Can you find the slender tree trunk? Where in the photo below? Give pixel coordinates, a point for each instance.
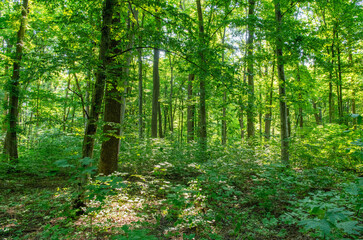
(98, 93)
(354, 109)
(240, 119)
(171, 95)
(250, 72)
(4, 125)
(160, 121)
(288, 122)
(156, 92)
(6, 94)
(66, 107)
(87, 98)
(202, 85)
(340, 82)
(260, 113)
(14, 91)
(126, 68)
(182, 119)
(300, 116)
(224, 120)
(141, 93)
(190, 110)
(268, 116)
(141, 90)
(282, 86)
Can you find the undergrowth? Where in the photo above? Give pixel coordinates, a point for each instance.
(163, 191)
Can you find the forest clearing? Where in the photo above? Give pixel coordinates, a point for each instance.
(181, 119)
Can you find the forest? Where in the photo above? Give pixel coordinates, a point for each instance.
(181, 119)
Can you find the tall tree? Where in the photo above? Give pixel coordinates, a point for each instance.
(268, 115)
(202, 83)
(250, 72)
(141, 90)
(190, 109)
(224, 120)
(156, 88)
(99, 87)
(282, 84)
(14, 89)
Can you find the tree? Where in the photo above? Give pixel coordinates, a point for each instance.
(202, 83)
(250, 71)
(99, 87)
(282, 84)
(156, 90)
(191, 109)
(11, 142)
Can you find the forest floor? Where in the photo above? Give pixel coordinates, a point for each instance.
(233, 195)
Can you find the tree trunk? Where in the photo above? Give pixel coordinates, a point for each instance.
(126, 68)
(66, 108)
(87, 98)
(300, 116)
(160, 121)
(282, 86)
(156, 92)
(224, 120)
(98, 93)
(354, 110)
(268, 116)
(316, 114)
(14, 91)
(6, 94)
(250, 72)
(111, 130)
(171, 95)
(190, 110)
(141, 90)
(340, 83)
(240, 119)
(202, 85)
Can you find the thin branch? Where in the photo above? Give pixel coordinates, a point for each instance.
(225, 17)
(79, 95)
(293, 4)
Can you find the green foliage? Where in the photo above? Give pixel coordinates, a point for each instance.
(134, 234)
(331, 215)
(333, 145)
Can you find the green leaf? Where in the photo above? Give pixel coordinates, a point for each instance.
(63, 164)
(86, 161)
(319, 212)
(350, 227)
(321, 225)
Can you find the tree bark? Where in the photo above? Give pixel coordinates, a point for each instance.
(340, 82)
(202, 85)
(316, 114)
(224, 120)
(126, 68)
(282, 86)
(141, 90)
(171, 95)
(190, 110)
(268, 116)
(160, 121)
(300, 101)
(250, 72)
(111, 130)
(156, 92)
(14, 91)
(98, 93)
